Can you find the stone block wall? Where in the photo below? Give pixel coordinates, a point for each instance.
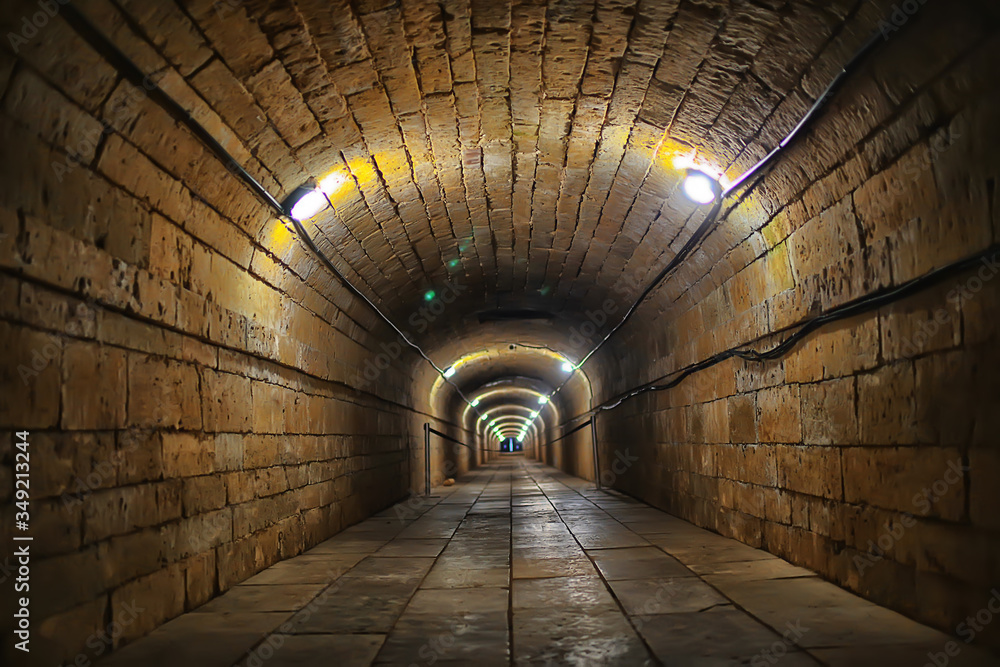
(870, 453)
(186, 370)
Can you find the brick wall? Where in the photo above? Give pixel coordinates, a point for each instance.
(184, 367)
(879, 430)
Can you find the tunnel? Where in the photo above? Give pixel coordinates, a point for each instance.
(499, 332)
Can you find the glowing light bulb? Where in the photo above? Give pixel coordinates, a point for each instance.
(700, 187)
(308, 205)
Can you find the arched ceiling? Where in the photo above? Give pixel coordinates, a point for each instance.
(500, 171)
(512, 154)
(500, 373)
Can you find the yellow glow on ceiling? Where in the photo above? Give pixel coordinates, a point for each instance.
(680, 157)
(363, 170)
(280, 238)
(333, 182)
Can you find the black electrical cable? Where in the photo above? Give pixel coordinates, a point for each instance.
(866, 304)
(127, 68)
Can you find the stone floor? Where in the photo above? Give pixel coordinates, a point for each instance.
(520, 563)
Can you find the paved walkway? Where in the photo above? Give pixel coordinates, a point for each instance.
(521, 563)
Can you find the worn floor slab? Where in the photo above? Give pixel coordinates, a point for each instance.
(521, 564)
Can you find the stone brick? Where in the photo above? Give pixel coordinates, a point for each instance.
(777, 506)
(239, 487)
(931, 483)
(47, 113)
(957, 551)
(271, 481)
(227, 401)
(810, 469)
(929, 323)
(886, 405)
(29, 378)
(162, 393)
(229, 451)
(146, 603)
(743, 418)
(241, 559)
(75, 464)
(139, 455)
(200, 533)
(779, 418)
(269, 404)
(201, 494)
(828, 413)
(261, 451)
(78, 631)
(831, 235)
(66, 581)
(944, 383)
(756, 464)
(277, 94)
(186, 455)
(93, 387)
(836, 351)
(58, 526)
(118, 511)
(199, 579)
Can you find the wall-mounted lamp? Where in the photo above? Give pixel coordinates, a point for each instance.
(700, 187)
(304, 202)
(309, 199)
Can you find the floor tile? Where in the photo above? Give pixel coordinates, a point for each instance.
(520, 563)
